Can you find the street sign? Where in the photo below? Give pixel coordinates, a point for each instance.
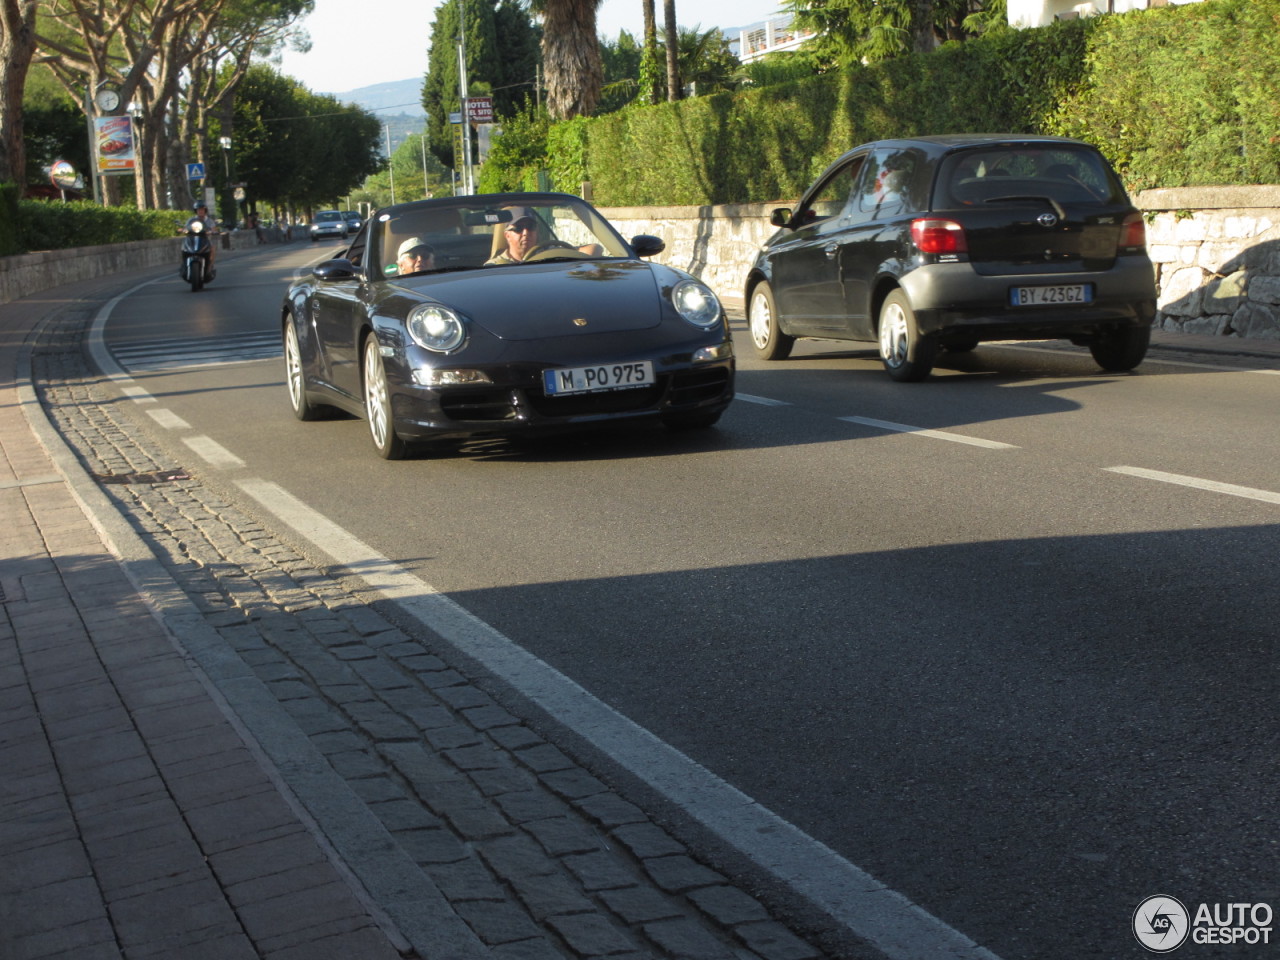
(480, 109)
(195, 171)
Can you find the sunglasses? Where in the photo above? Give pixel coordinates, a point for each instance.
(518, 228)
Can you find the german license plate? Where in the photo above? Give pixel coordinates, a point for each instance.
(605, 376)
(1051, 296)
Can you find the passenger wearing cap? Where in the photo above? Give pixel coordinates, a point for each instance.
(414, 256)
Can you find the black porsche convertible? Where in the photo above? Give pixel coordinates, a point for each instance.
(502, 313)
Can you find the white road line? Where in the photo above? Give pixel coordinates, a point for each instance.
(935, 434)
(1251, 493)
(763, 401)
(213, 453)
(168, 419)
(851, 897)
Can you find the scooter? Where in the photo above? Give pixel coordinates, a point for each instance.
(196, 250)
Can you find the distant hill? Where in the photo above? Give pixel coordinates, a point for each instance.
(398, 96)
(397, 104)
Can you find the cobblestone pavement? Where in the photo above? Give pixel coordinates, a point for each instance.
(473, 833)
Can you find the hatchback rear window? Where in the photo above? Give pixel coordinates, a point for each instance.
(1069, 175)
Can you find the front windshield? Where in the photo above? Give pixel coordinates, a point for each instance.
(474, 232)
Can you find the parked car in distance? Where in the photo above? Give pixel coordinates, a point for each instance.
(354, 220)
(502, 314)
(328, 223)
(940, 243)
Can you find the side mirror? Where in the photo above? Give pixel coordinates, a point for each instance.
(340, 269)
(781, 217)
(646, 245)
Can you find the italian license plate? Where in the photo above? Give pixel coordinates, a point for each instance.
(605, 376)
(1050, 296)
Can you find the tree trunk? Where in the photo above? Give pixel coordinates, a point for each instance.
(17, 47)
(649, 60)
(674, 89)
(923, 38)
(571, 56)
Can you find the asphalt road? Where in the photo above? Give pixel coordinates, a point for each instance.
(1006, 639)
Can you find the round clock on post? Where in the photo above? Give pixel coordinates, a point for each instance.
(107, 99)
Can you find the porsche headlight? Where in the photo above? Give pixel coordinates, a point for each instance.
(696, 303)
(436, 328)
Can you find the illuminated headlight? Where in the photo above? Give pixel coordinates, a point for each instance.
(721, 351)
(436, 328)
(696, 303)
(430, 377)
(195, 226)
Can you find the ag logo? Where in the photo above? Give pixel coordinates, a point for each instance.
(1161, 924)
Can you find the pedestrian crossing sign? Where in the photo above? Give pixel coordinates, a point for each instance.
(195, 171)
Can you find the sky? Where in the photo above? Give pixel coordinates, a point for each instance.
(383, 41)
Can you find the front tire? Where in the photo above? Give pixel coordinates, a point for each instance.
(295, 376)
(908, 356)
(762, 320)
(1122, 349)
(377, 405)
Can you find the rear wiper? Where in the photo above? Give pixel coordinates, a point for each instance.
(1057, 207)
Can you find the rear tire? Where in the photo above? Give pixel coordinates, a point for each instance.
(377, 405)
(1121, 349)
(907, 355)
(762, 320)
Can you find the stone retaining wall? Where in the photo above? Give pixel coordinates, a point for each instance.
(1215, 250)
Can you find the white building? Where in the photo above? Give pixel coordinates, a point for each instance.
(1038, 13)
(768, 36)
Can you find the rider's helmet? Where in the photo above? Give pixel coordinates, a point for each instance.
(199, 205)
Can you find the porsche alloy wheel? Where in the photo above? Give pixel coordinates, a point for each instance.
(295, 378)
(907, 356)
(762, 319)
(377, 404)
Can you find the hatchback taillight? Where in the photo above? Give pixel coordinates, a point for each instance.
(1133, 232)
(938, 236)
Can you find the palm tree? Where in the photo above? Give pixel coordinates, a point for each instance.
(570, 55)
(674, 90)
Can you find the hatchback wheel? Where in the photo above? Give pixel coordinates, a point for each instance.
(377, 405)
(907, 355)
(762, 319)
(1121, 349)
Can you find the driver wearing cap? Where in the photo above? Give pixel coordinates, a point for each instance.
(524, 238)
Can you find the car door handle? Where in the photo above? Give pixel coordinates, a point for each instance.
(831, 249)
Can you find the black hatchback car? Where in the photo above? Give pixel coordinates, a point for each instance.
(943, 242)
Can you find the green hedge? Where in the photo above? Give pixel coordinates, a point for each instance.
(53, 225)
(1175, 96)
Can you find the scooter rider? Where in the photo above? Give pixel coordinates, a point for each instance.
(211, 230)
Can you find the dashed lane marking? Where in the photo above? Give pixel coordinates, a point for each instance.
(935, 434)
(1213, 486)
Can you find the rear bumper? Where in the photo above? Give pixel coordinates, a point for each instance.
(950, 298)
